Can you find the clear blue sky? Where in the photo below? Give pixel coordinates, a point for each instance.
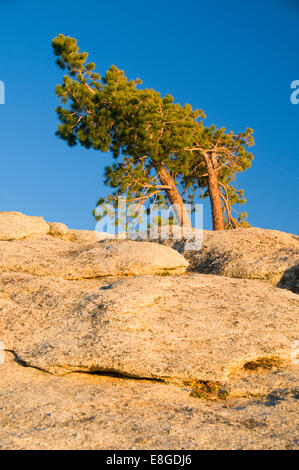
(234, 59)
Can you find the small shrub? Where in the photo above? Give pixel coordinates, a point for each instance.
(207, 390)
(266, 363)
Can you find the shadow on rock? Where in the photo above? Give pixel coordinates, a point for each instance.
(290, 279)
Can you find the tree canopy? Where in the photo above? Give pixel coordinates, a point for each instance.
(162, 150)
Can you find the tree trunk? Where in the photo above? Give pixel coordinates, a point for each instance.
(174, 197)
(215, 198)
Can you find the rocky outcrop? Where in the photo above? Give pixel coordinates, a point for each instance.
(15, 226)
(90, 411)
(251, 253)
(87, 236)
(48, 256)
(79, 317)
(18, 226)
(58, 230)
(172, 328)
(61, 231)
(31, 245)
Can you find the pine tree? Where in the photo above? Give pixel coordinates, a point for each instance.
(162, 150)
(222, 154)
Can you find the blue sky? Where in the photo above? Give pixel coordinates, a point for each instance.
(234, 59)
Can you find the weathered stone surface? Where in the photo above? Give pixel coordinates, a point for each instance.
(290, 279)
(88, 236)
(49, 256)
(251, 253)
(58, 230)
(15, 226)
(82, 411)
(172, 328)
(61, 231)
(70, 306)
(181, 239)
(263, 382)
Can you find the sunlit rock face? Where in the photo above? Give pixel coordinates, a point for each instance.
(118, 322)
(251, 253)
